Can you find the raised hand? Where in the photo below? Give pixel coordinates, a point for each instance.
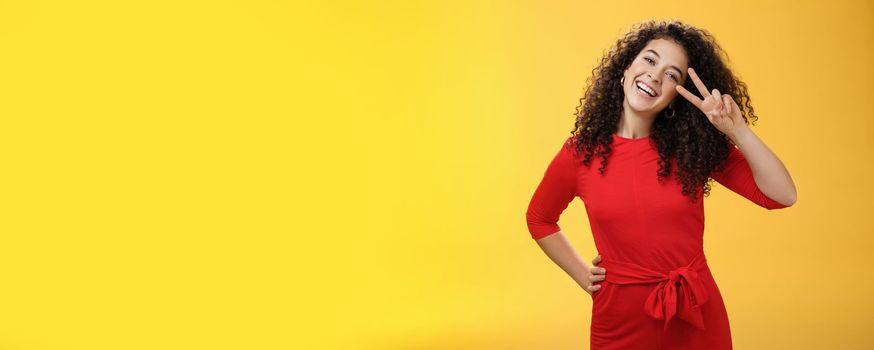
(721, 110)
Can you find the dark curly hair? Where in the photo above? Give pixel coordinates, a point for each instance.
(698, 148)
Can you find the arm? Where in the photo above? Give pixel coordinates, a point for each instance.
(738, 177)
(556, 190)
(771, 186)
(769, 173)
(552, 196)
(559, 250)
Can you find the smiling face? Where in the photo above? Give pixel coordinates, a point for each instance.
(651, 79)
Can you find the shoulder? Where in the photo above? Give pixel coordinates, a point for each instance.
(570, 148)
(729, 164)
(734, 155)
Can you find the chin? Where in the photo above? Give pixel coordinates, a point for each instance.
(644, 108)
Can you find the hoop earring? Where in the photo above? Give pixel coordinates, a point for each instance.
(622, 81)
(672, 114)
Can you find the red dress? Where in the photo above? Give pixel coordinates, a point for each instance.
(658, 292)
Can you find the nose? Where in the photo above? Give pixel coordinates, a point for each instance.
(653, 78)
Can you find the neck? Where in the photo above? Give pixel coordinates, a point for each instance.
(633, 124)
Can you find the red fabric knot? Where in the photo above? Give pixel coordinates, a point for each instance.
(679, 293)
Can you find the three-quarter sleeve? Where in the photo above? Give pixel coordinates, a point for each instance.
(556, 190)
(738, 177)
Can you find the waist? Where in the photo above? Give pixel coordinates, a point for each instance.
(626, 272)
(679, 292)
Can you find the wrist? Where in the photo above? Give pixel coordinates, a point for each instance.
(741, 135)
(585, 280)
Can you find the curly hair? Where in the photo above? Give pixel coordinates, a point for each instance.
(688, 138)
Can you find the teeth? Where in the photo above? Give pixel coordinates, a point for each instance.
(646, 89)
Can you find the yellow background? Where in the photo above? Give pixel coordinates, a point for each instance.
(354, 175)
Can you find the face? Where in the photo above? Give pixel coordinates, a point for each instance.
(659, 68)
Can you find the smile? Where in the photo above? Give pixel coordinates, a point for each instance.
(644, 89)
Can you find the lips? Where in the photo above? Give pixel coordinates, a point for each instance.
(655, 92)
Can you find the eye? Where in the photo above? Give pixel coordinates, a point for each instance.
(649, 60)
(674, 77)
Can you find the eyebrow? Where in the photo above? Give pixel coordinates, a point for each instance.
(672, 66)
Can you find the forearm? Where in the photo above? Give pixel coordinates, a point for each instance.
(770, 174)
(560, 250)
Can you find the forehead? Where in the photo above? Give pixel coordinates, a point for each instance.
(668, 51)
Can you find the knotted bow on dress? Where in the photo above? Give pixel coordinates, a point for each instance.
(679, 292)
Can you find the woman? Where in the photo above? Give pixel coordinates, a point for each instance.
(659, 145)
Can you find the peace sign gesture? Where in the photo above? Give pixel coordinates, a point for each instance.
(720, 109)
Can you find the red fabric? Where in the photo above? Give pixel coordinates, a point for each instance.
(652, 238)
(679, 292)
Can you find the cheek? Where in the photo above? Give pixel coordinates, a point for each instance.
(668, 93)
(670, 90)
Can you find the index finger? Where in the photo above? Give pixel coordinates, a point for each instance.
(698, 83)
(689, 96)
